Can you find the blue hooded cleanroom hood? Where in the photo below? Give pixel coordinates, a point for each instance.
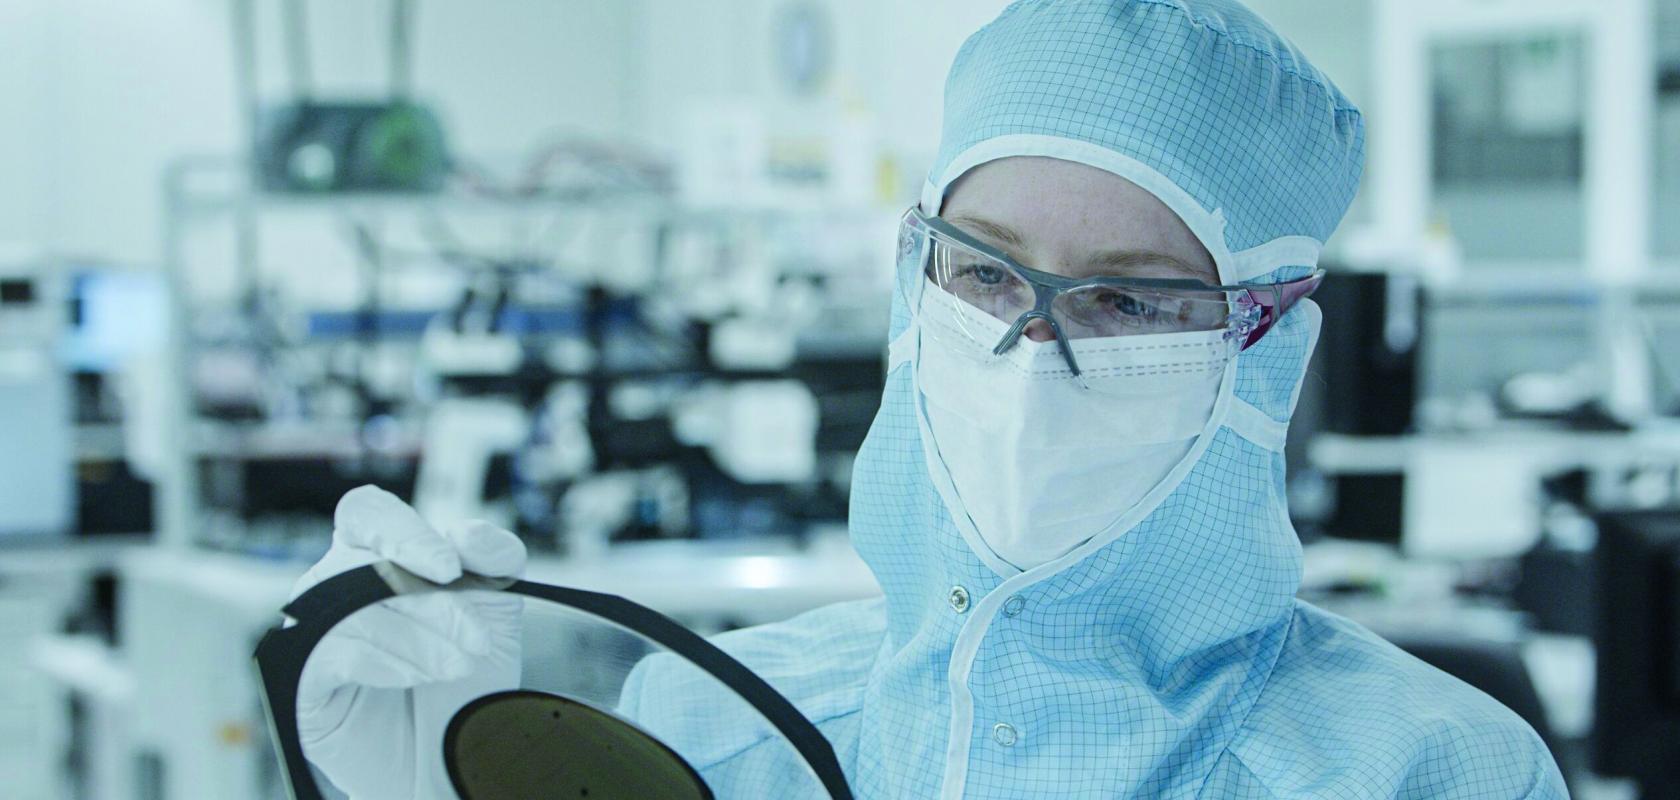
(1167, 657)
(1153, 645)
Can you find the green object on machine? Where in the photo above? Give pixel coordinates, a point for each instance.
(321, 147)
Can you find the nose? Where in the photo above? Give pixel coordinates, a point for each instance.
(1039, 331)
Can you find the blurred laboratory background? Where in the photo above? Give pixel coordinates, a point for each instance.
(615, 275)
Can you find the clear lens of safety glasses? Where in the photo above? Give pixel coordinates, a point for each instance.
(972, 299)
(983, 286)
(1117, 310)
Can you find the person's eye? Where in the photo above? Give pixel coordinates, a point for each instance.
(979, 275)
(1130, 306)
(989, 274)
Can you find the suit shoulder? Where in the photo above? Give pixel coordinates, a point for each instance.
(1346, 713)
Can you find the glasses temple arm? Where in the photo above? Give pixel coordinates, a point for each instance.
(1284, 296)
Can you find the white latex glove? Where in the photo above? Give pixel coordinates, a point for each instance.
(386, 681)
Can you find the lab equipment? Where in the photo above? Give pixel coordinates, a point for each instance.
(39, 587)
(116, 329)
(1637, 698)
(463, 436)
(1465, 500)
(117, 315)
(1368, 357)
(1368, 353)
(37, 478)
(1617, 120)
(1498, 385)
(315, 146)
(589, 376)
(766, 432)
(305, 144)
(628, 689)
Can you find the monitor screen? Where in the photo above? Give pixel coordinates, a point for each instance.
(1638, 649)
(117, 315)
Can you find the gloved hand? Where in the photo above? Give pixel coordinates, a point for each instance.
(387, 680)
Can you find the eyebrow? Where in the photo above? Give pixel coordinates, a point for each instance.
(1108, 260)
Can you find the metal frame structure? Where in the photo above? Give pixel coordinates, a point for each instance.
(1617, 127)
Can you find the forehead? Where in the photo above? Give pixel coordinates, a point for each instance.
(1064, 210)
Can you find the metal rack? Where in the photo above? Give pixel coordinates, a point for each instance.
(203, 190)
(217, 191)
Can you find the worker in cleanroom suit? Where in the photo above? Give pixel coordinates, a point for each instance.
(1072, 495)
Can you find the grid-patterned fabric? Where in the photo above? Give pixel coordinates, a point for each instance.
(1205, 92)
(1172, 660)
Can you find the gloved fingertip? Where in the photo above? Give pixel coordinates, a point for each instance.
(486, 549)
(429, 557)
(358, 503)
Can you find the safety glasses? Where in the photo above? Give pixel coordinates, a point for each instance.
(995, 291)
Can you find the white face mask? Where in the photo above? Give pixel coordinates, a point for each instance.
(1040, 463)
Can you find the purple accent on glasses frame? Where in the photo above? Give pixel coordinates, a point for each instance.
(1275, 300)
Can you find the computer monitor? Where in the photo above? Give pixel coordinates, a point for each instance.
(1367, 355)
(1362, 381)
(1637, 708)
(116, 315)
(37, 473)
